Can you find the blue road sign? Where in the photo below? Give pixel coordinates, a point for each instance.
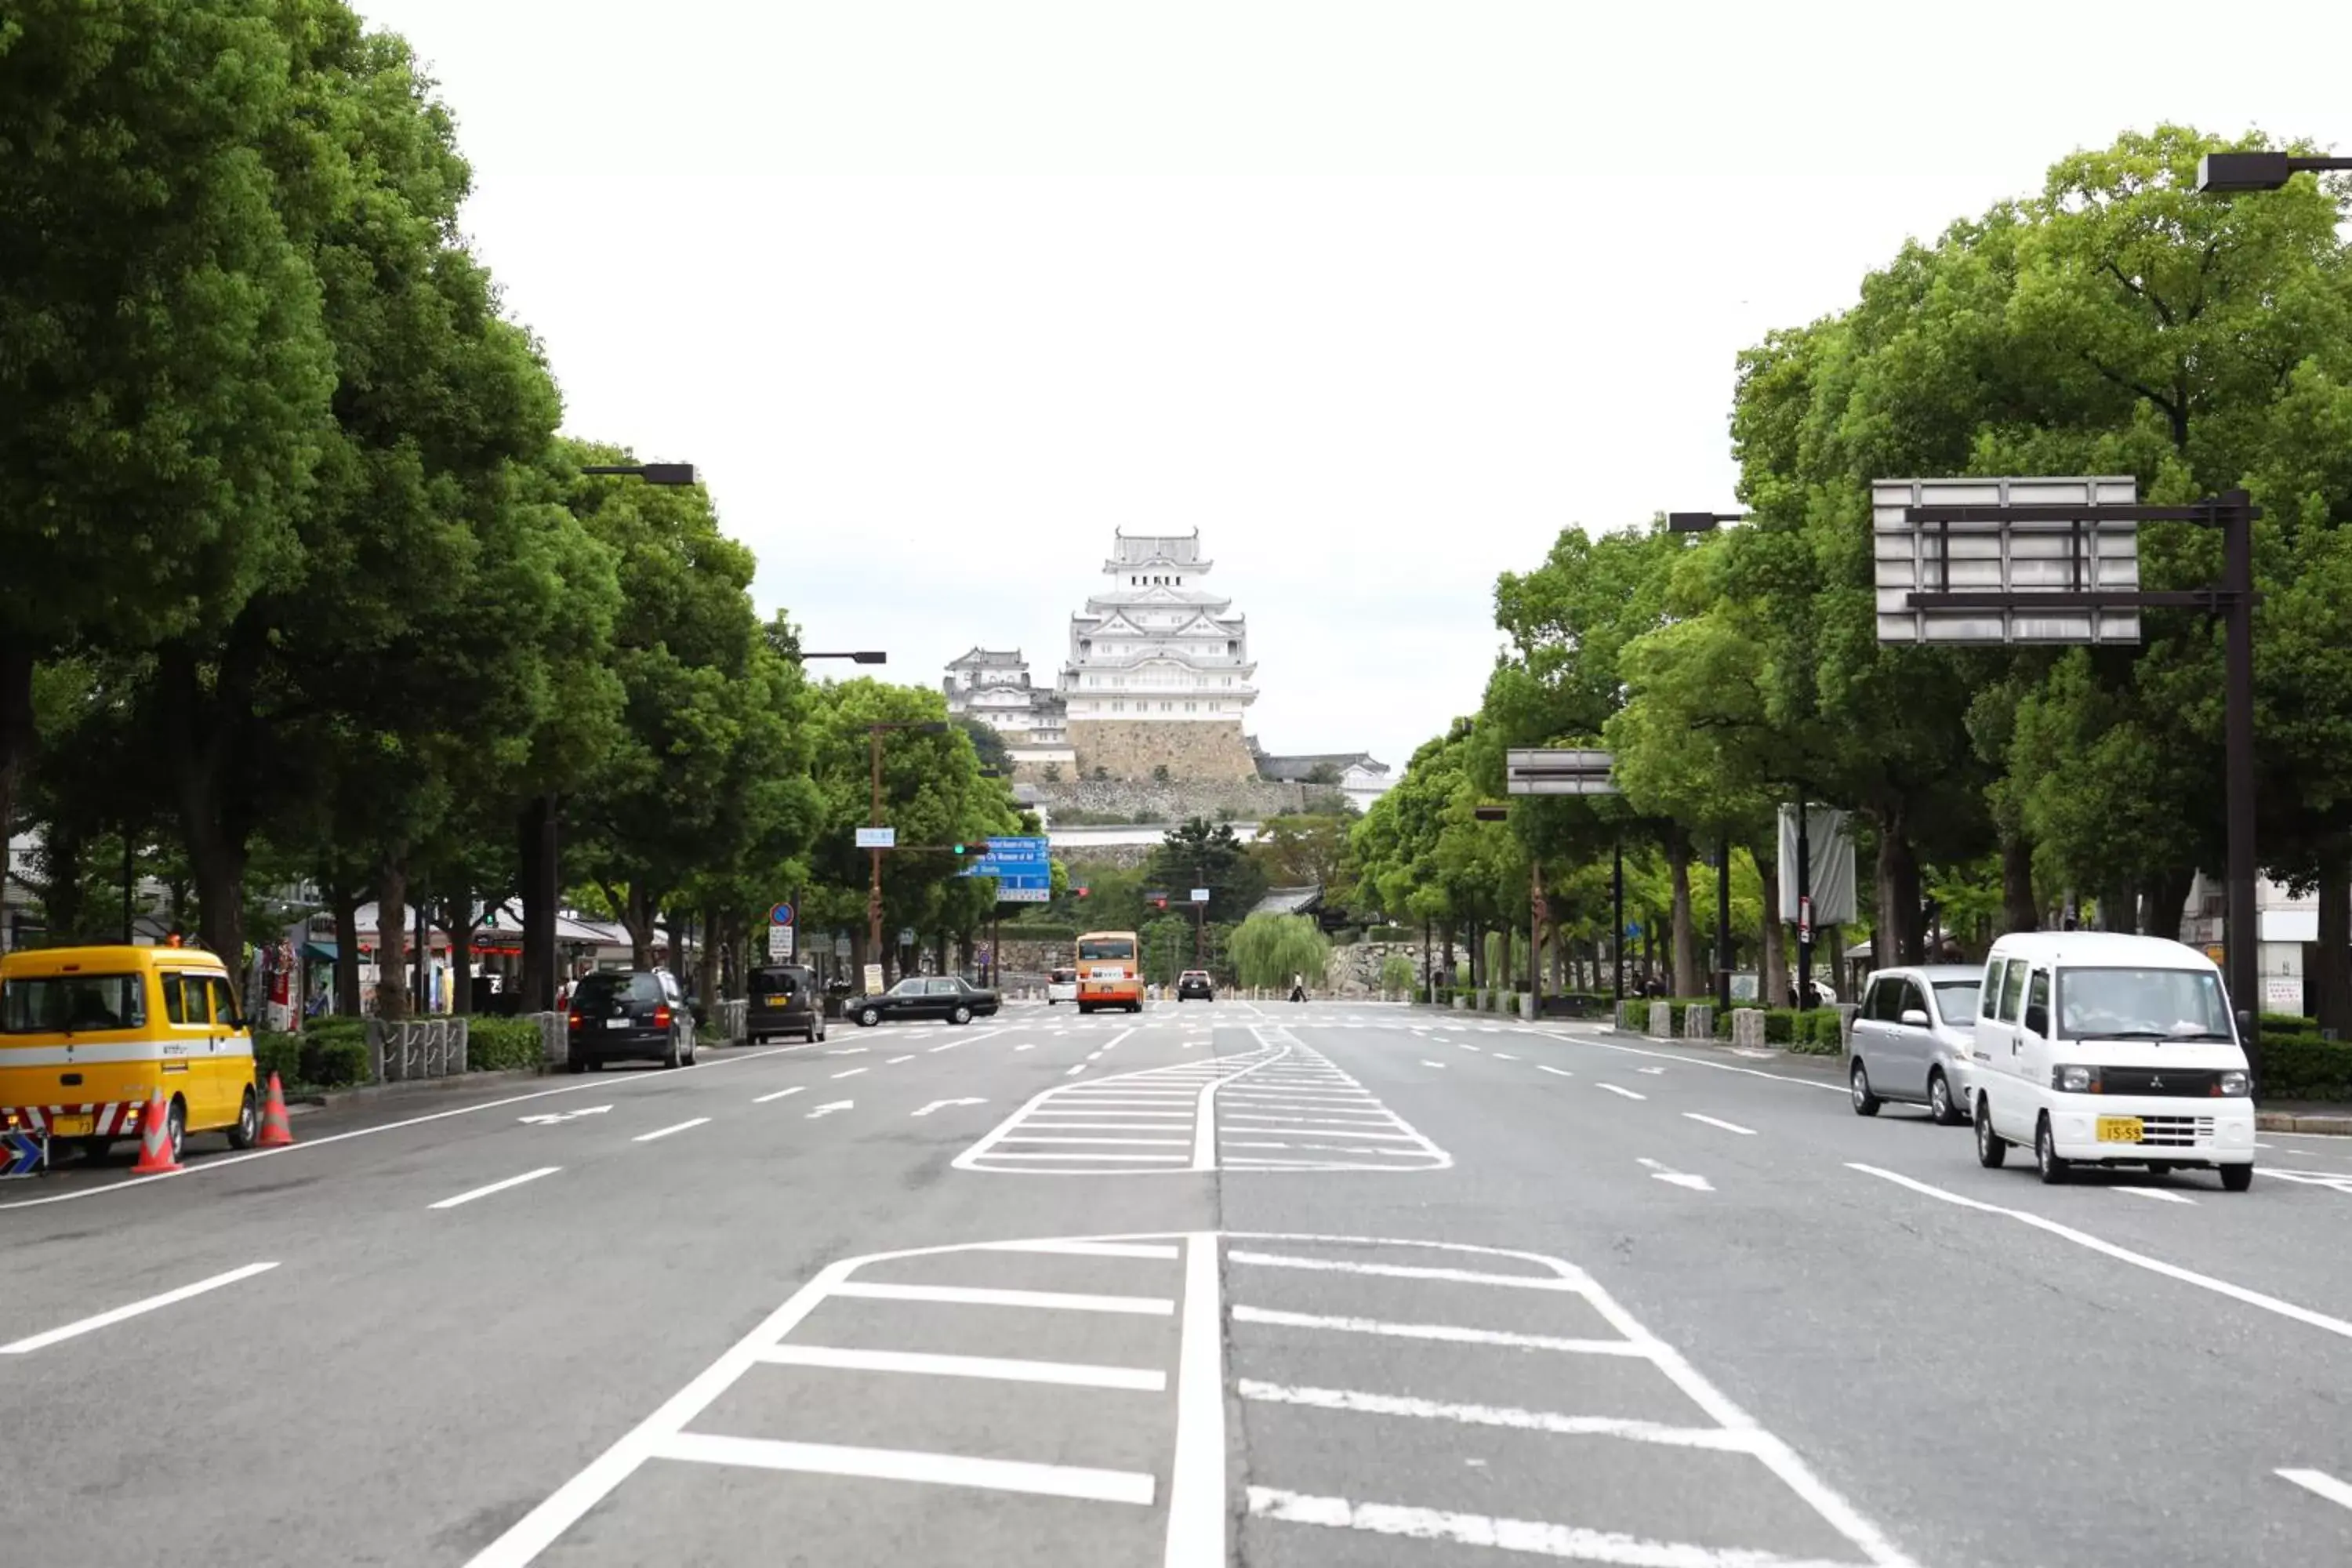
(1024, 870)
(22, 1154)
(781, 915)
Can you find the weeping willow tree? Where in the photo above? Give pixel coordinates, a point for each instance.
(1267, 950)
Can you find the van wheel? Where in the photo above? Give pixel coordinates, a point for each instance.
(2237, 1178)
(248, 1124)
(1991, 1149)
(1865, 1102)
(1940, 1101)
(176, 1126)
(2045, 1153)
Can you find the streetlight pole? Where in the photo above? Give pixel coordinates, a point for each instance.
(874, 733)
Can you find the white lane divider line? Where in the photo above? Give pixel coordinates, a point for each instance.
(2303, 1315)
(1030, 1046)
(846, 1051)
(1447, 1333)
(119, 1314)
(666, 1131)
(849, 1072)
(1718, 1121)
(1664, 1173)
(1533, 1537)
(2319, 1483)
(2158, 1193)
(1722, 1439)
(894, 1061)
(991, 1296)
(780, 1094)
(1076, 1070)
(495, 1187)
(1069, 1374)
(1555, 1072)
(906, 1465)
(1505, 1057)
(1464, 1046)
(1427, 1063)
(1196, 1480)
(830, 1107)
(1614, 1089)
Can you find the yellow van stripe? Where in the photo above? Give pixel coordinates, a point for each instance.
(101, 1053)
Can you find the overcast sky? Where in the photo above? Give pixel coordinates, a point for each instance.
(1380, 295)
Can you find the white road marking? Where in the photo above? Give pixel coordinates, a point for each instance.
(495, 1187)
(2321, 1484)
(780, 1094)
(1501, 1057)
(1693, 1062)
(894, 1061)
(1718, 1121)
(846, 1051)
(136, 1309)
(1196, 1481)
(1555, 1072)
(1465, 1045)
(1158, 1249)
(983, 1296)
(1533, 1537)
(938, 1104)
(1449, 1333)
(831, 1105)
(1124, 1142)
(1614, 1089)
(1427, 1063)
(1720, 1439)
(1076, 1070)
(1653, 1072)
(904, 1465)
(1663, 1173)
(849, 1072)
(1398, 1270)
(1030, 1046)
(2160, 1193)
(555, 1118)
(2304, 1315)
(666, 1131)
(1073, 1374)
(1164, 1160)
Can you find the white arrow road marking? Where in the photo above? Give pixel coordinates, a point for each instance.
(779, 1094)
(938, 1103)
(1626, 1092)
(553, 1117)
(1659, 1172)
(828, 1110)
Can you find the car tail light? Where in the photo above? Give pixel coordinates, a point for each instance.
(661, 1017)
(574, 1020)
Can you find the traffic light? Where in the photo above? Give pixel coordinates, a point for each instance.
(1081, 893)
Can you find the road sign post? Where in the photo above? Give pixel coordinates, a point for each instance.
(22, 1154)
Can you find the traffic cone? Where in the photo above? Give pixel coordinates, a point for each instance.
(274, 1132)
(155, 1140)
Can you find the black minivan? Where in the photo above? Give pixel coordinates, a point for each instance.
(621, 1016)
(784, 999)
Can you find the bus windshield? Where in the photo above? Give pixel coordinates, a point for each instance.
(1106, 948)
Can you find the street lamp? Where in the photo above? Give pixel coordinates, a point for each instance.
(868, 656)
(652, 473)
(1701, 521)
(2227, 174)
(874, 733)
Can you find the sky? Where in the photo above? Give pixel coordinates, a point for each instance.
(1379, 295)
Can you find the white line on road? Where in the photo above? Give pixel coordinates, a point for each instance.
(106, 1319)
(1450, 1333)
(495, 1187)
(1030, 1046)
(1502, 1057)
(894, 1061)
(1399, 1270)
(780, 1094)
(904, 1465)
(846, 1051)
(2336, 1326)
(666, 1131)
(1164, 1250)
(1555, 1072)
(2320, 1483)
(937, 1104)
(1427, 1063)
(1532, 1536)
(1663, 1173)
(1628, 1093)
(831, 1105)
(2158, 1193)
(849, 1072)
(1717, 1437)
(1718, 1121)
(1691, 1061)
(1076, 1070)
(1196, 1481)
(1462, 1046)
(1072, 1374)
(985, 1296)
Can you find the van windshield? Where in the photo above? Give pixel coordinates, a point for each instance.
(1956, 999)
(64, 1004)
(2141, 1004)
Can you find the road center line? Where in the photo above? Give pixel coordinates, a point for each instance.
(1626, 1092)
(894, 1061)
(1555, 1072)
(2321, 1320)
(119, 1314)
(1196, 1480)
(666, 1131)
(1718, 1121)
(849, 1072)
(495, 1187)
(779, 1094)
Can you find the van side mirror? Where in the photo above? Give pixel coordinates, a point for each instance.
(2037, 1019)
(1915, 1018)
(2245, 1022)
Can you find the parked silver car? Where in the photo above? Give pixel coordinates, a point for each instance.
(1912, 1040)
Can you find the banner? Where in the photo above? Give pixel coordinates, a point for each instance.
(1830, 837)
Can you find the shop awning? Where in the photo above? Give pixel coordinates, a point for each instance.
(325, 949)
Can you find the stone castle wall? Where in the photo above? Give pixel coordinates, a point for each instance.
(1189, 749)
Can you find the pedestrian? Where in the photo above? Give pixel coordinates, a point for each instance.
(1298, 987)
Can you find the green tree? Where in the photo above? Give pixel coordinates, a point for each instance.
(1198, 854)
(1266, 949)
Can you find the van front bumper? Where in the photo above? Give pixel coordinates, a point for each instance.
(2184, 1130)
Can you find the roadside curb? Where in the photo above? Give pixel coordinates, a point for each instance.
(2296, 1121)
(367, 1091)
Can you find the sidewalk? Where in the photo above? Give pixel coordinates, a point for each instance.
(2304, 1116)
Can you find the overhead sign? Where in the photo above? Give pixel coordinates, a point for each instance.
(906, 936)
(780, 941)
(22, 1154)
(1987, 556)
(1023, 867)
(1559, 770)
(1200, 895)
(781, 915)
(840, 946)
(878, 838)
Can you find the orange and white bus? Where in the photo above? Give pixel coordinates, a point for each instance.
(1109, 974)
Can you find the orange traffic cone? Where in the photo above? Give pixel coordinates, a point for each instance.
(155, 1140)
(274, 1132)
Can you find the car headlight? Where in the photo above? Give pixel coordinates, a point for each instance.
(2074, 1079)
(2233, 1083)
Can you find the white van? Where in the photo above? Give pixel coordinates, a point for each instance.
(2097, 1049)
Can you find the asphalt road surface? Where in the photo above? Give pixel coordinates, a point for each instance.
(1328, 1286)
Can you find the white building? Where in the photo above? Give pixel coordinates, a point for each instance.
(1158, 645)
(1356, 774)
(993, 687)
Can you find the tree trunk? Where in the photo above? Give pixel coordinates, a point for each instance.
(1897, 939)
(2329, 993)
(17, 736)
(2018, 909)
(1772, 958)
(420, 989)
(640, 912)
(535, 979)
(707, 969)
(391, 938)
(202, 735)
(347, 954)
(2165, 896)
(1686, 981)
(857, 957)
(1446, 931)
(2118, 907)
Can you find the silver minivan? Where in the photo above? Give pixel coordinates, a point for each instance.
(1912, 1040)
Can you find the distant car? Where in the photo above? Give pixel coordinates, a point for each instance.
(949, 997)
(1194, 982)
(629, 1017)
(1062, 985)
(783, 1000)
(1912, 1038)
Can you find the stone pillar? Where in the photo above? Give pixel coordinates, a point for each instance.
(1661, 1020)
(1698, 1021)
(1748, 1027)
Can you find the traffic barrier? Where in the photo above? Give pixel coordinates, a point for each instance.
(276, 1131)
(155, 1157)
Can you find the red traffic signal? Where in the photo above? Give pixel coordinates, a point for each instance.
(1081, 891)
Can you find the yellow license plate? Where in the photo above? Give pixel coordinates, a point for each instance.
(2120, 1129)
(73, 1126)
(772, 1001)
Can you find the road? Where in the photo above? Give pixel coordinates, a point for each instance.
(1316, 1286)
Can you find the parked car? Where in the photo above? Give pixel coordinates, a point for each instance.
(1912, 1038)
(1194, 982)
(1061, 985)
(783, 999)
(629, 1017)
(949, 997)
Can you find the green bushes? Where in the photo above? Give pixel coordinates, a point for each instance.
(502, 1045)
(2298, 1064)
(337, 1059)
(1814, 1031)
(1396, 972)
(279, 1054)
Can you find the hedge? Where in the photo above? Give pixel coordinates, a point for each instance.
(502, 1045)
(279, 1054)
(2302, 1066)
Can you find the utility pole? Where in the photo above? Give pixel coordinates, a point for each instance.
(874, 819)
(1804, 906)
(1617, 933)
(1723, 923)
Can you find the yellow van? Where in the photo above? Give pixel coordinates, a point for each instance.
(88, 1036)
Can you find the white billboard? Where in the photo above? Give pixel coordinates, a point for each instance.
(2052, 556)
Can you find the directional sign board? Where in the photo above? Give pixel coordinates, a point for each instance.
(878, 838)
(1559, 770)
(1023, 867)
(22, 1154)
(1989, 556)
